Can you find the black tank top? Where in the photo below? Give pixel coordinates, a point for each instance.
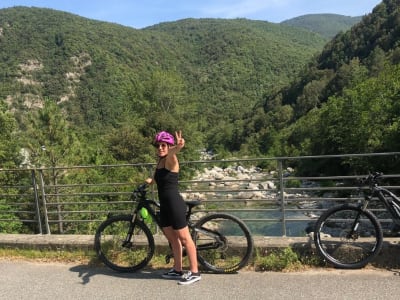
(167, 182)
(172, 205)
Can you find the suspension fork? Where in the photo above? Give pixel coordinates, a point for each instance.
(127, 242)
(356, 223)
(354, 227)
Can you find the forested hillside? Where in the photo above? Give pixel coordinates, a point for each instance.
(327, 25)
(92, 92)
(346, 100)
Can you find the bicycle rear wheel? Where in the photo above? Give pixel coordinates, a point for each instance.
(345, 242)
(224, 243)
(117, 251)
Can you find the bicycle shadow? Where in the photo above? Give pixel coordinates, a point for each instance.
(86, 272)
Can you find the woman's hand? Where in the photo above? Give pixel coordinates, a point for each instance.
(180, 141)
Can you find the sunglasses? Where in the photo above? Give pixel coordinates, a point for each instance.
(161, 145)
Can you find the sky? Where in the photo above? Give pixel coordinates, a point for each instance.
(142, 13)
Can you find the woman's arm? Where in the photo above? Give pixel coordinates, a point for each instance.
(172, 162)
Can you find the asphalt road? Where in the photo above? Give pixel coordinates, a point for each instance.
(36, 280)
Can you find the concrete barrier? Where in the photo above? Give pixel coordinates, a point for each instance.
(389, 257)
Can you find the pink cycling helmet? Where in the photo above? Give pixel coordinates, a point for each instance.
(164, 137)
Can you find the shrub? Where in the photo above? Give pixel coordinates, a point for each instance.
(278, 260)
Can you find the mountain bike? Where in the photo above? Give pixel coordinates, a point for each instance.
(350, 236)
(125, 243)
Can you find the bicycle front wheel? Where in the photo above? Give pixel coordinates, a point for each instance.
(122, 245)
(348, 237)
(224, 243)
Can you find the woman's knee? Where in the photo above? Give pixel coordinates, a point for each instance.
(185, 237)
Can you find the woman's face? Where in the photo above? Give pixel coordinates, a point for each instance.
(162, 149)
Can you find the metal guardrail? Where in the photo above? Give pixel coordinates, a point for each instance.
(69, 200)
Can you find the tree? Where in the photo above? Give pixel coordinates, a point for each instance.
(9, 147)
(310, 97)
(49, 138)
(127, 144)
(376, 61)
(166, 91)
(9, 158)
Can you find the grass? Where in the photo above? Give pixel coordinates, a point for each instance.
(45, 255)
(284, 260)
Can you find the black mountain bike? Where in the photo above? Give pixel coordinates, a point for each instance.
(349, 236)
(125, 243)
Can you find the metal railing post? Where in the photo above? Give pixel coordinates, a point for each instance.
(35, 190)
(282, 196)
(46, 216)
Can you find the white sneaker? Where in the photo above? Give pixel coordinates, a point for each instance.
(189, 278)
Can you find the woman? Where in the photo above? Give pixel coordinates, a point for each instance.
(173, 207)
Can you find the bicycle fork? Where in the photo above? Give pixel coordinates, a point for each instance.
(127, 242)
(354, 227)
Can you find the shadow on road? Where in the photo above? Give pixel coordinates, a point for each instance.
(86, 272)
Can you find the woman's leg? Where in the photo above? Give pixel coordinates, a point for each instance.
(187, 241)
(176, 246)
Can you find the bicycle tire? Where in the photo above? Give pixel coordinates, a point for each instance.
(333, 243)
(236, 243)
(109, 247)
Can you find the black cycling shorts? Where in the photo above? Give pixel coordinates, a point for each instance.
(173, 211)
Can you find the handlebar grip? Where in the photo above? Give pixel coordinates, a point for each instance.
(372, 178)
(142, 187)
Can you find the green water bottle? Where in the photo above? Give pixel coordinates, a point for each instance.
(145, 215)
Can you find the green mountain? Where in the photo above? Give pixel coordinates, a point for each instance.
(91, 92)
(199, 75)
(346, 100)
(327, 25)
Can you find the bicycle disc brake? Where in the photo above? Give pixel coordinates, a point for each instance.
(127, 244)
(345, 235)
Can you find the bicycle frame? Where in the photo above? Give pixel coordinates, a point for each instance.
(390, 200)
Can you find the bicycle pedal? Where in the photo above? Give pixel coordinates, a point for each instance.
(167, 259)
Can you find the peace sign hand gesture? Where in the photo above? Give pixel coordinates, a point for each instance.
(180, 141)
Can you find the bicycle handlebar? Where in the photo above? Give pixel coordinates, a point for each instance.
(372, 179)
(140, 191)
